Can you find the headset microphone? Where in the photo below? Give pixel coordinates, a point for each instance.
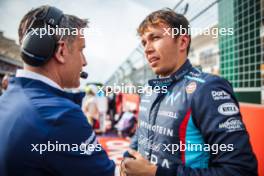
(84, 75)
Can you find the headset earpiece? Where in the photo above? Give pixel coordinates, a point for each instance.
(37, 49)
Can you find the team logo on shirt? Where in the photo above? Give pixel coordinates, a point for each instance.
(220, 95)
(171, 98)
(191, 87)
(232, 124)
(228, 109)
(194, 74)
(168, 114)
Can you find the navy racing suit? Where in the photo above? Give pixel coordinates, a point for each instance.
(195, 128)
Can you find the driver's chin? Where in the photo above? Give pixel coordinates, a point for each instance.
(157, 70)
(162, 72)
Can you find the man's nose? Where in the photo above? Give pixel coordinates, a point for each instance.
(148, 48)
(84, 61)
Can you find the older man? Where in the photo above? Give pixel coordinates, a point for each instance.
(43, 130)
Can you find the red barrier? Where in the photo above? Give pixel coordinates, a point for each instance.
(253, 117)
(127, 101)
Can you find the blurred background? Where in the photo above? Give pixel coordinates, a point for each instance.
(115, 56)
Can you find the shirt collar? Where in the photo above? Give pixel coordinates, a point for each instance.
(183, 70)
(37, 76)
(25, 82)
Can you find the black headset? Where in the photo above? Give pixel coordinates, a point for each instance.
(37, 49)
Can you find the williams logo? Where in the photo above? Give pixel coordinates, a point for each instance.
(228, 109)
(171, 98)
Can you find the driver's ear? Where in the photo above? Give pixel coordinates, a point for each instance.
(184, 42)
(61, 52)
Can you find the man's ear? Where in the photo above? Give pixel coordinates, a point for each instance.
(184, 42)
(61, 52)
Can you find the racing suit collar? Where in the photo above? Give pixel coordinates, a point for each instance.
(183, 70)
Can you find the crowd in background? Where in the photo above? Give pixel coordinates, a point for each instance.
(101, 112)
(4, 83)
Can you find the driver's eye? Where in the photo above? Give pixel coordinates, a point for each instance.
(156, 38)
